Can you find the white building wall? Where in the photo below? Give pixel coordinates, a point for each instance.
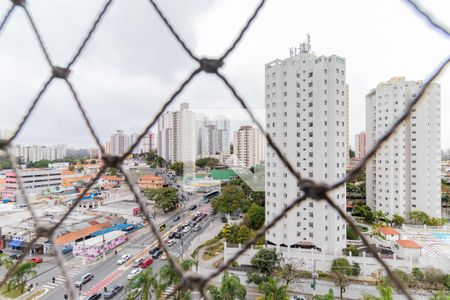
(404, 174)
(305, 115)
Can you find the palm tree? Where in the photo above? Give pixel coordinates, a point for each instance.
(145, 281)
(230, 289)
(329, 296)
(23, 271)
(169, 277)
(273, 290)
(5, 261)
(385, 294)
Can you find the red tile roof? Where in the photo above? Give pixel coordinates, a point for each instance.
(78, 234)
(409, 244)
(111, 178)
(389, 230)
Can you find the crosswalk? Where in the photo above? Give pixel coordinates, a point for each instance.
(60, 280)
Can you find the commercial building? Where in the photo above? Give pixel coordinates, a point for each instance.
(150, 182)
(305, 115)
(249, 146)
(34, 181)
(404, 174)
(360, 145)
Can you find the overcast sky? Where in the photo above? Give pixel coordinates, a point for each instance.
(132, 63)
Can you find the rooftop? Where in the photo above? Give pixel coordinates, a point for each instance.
(389, 230)
(409, 244)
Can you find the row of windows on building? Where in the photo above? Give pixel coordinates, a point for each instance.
(310, 74)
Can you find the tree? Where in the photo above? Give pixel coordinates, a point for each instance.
(364, 211)
(207, 162)
(112, 171)
(165, 198)
(351, 153)
(398, 220)
(341, 280)
(178, 167)
(24, 271)
(356, 269)
(230, 200)
(230, 288)
(329, 296)
(145, 281)
(236, 234)
(255, 216)
(154, 160)
(265, 260)
(440, 296)
(171, 278)
(418, 217)
(288, 273)
(41, 163)
(93, 162)
(385, 294)
(418, 274)
(273, 290)
(342, 265)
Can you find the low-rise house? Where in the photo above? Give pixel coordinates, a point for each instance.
(150, 182)
(390, 234)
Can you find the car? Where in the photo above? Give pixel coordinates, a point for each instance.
(172, 235)
(123, 259)
(138, 262)
(164, 256)
(94, 296)
(113, 291)
(14, 256)
(207, 200)
(156, 249)
(162, 227)
(176, 218)
(196, 228)
(147, 262)
(84, 279)
(157, 254)
(179, 228)
(187, 229)
(36, 259)
(297, 297)
(213, 212)
(188, 223)
(134, 272)
(170, 243)
(177, 235)
(193, 207)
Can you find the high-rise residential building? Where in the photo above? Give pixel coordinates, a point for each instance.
(95, 153)
(347, 125)
(213, 136)
(5, 133)
(184, 137)
(404, 173)
(360, 145)
(165, 136)
(177, 137)
(119, 143)
(35, 153)
(249, 146)
(149, 142)
(305, 115)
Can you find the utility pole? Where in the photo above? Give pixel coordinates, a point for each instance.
(314, 276)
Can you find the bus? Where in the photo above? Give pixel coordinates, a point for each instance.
(208, 197)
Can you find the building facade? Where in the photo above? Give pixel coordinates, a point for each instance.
(213, 136)
(165, 136)
(35, 153)
(360, 145)
(305, 115)
(404, 174)
(33, 180)
(249, 146)
(119, 143)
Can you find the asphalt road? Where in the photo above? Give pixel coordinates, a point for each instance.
(107, 272)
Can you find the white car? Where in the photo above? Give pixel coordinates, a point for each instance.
(123, 259)
(134, 273)
(137, 262)
(170, 243)
(187, 229)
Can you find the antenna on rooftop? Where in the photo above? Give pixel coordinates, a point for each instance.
(304, 47)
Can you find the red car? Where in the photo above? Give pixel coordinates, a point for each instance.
(36, 259)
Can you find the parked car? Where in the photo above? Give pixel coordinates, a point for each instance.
(188, 223)
(170, 243)
(224, 219)
(297, 297)
(84, 279)
(36, 259)
(193, 207)
(177, 235)
(113, 291)
(156, 249)
(134, 272)
(196, 228)
(157, 254)
(176, 218)
(162, 227)
(138, 262)
(147, 262)
(95, 296)
(172, 235)
(123, 259)
(187, 229)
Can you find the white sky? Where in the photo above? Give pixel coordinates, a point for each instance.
(133, 63)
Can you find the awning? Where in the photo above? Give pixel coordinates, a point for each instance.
(15, 243)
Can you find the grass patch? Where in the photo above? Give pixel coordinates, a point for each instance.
(35, 294)
(13, 293)
(212, 251)
(210, 242)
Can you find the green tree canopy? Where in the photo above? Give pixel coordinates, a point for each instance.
(265, 261)
(255, 216)
(230, 200)
(154, 160)
(207, 162)
(178, 167)
(272, 289)
(165, 198)
(230, 288)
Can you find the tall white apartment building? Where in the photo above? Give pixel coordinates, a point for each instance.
(185, 137)
(35, 153)
(165, 136)
(213, 136)
(404, 174)
(249, 146)
(177, 137)
(119, 143)
(305, 115)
